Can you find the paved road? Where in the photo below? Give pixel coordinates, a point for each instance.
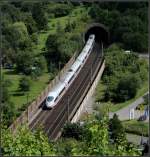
(123, 114)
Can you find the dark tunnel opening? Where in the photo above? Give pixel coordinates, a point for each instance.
(101, 33)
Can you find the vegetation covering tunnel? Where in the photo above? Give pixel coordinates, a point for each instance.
(101, 33)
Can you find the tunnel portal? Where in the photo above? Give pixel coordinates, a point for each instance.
(101, 33)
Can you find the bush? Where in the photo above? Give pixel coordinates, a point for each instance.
(136, 127)
(60, 10)
(8, 112)
(123, 75)
(117, 129)
(127, 88)
(34, 38)
(75, 130)
(24, 84)
(24, 62)
(40, 63)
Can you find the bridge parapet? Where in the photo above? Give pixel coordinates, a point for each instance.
(34, 108)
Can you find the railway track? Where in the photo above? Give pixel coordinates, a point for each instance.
(53, 120)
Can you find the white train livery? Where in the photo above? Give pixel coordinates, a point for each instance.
(55, 94)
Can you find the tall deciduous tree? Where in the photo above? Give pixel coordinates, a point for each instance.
(26, 143)
(24, 62)
(39, 16)
(18, 36)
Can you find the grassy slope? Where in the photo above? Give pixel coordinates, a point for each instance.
(136, 127)
(36, 87)
(118, 106)
(140, 92)
(40, 84)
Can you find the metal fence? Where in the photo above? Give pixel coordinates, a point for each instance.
(33, 108)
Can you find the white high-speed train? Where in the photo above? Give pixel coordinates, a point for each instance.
(54, 95)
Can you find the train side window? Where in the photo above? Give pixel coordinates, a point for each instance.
(70, 70)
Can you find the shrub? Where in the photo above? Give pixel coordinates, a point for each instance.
(24, 84)
(75, 130)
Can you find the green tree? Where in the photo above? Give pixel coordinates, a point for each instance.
(123, 74)
(40, 65)
(30, 23)
(26, 143)
(8, 107)
(12, 13)
(24, 84)
(131, 23)
(117, 130)
(8, 112)
(52, 47)
(40, 16)
(127, 88)
(135, 41)
(24, 62)
(75, 130)
(5, 84)
(18, 36)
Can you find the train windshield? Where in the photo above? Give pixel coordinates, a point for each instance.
(50, 98)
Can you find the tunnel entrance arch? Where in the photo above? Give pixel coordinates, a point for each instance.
(101, 33)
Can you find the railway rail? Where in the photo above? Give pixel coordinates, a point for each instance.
(53, 120)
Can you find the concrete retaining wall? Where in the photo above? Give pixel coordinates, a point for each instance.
(89, 94)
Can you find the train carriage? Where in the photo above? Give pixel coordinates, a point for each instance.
(65, 81)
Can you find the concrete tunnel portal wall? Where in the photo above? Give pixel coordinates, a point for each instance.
(101, 33)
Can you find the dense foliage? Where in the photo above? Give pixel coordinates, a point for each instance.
(117, 130)
(96, 142)
(24, 84)
(127, 22)
(76, 131)
(60, 48)
(123, 75)
(8, 108)
(26, 143)
(21, 24)
(59, 9)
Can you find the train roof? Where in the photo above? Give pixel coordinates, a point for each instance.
(75, 65)
(82, 55)
(66, 78)
(57, 89)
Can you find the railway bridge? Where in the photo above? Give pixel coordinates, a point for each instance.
(53, 120)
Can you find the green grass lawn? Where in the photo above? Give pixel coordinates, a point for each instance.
(37, 86)
(52, 27)
(136, 127)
